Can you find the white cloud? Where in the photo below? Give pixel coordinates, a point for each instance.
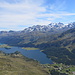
(22, 13)
(28, 12)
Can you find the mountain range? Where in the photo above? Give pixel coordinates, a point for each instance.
(50, 28)
(34, 35)
(46, 28)
(56, 40)
(62, 49)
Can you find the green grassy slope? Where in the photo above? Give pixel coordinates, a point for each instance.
(16, 64)
(13, 64)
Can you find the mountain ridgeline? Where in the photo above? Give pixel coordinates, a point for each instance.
(56, 39)
(44, 33)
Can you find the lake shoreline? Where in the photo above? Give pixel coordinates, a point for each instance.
(30, 52)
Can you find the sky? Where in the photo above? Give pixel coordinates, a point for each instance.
(20, 14)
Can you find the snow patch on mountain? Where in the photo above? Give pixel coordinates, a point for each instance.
(49, 27)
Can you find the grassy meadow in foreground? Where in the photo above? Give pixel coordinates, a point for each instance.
(16, 64)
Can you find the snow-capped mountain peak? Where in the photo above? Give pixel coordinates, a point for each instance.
(49, 27)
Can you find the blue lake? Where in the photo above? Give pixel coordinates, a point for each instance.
(34, 54)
